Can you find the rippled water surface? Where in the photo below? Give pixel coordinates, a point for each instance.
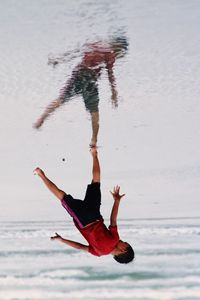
(146, 123)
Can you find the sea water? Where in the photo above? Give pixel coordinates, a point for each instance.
(149, 145)
(166, 265)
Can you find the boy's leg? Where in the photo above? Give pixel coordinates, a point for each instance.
(96, 174)
(92, 200)
(49, 184)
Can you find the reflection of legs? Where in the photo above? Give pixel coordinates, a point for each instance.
(95, 128)
(66, 93)
(96, 176)
(91, 99)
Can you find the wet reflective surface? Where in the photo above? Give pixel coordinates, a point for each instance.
(84, 79)
(142, 109)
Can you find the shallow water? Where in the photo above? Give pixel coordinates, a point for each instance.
(166, 265)
(149, 145)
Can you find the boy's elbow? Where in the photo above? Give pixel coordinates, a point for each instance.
(84, 248)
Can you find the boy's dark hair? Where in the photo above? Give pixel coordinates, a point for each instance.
(120, 45)
(126, 257)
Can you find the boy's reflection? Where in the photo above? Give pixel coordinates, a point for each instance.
(85, 77)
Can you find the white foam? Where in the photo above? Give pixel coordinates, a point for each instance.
(100, 294)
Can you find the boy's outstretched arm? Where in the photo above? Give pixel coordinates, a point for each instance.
(49, 184)
(72, 244)
(117, 197)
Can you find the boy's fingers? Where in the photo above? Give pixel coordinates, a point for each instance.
(117, 189)
(55, 236)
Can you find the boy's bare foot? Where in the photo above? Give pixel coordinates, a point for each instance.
(93, 143)
(93, 151)
(38, 124)
(38, 172)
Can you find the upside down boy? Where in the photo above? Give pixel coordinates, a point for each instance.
(88, 219)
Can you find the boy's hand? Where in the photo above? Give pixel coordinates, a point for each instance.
(116, 194)
(56, 237)
(38, 172)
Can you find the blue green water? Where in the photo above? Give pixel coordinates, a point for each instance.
(166, 265)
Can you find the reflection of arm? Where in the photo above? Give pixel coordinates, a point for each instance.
(112, 81)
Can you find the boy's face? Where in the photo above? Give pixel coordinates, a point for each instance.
(119, 52)
(120, 248)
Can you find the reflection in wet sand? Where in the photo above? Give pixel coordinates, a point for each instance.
(84, 79)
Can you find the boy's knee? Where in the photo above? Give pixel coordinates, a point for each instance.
(96, 179)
